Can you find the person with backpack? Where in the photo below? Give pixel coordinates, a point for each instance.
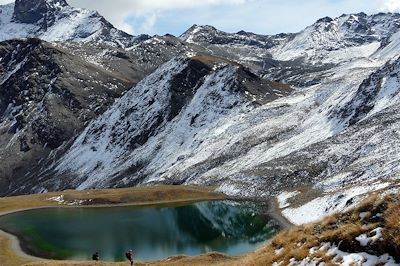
(129, 256)
(96, 256)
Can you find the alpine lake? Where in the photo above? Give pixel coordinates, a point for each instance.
(154, 232)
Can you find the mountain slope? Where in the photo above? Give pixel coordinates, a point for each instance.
(325, 137)
(334, 174)
(161, 123)
(47, 94)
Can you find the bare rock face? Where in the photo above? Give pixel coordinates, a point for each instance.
(28, 11)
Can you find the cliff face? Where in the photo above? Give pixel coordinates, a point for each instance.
(26, 11)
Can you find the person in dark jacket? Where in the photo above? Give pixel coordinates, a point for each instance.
(96, 256)
(129, 256)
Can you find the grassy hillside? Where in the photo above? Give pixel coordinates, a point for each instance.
(367, 233)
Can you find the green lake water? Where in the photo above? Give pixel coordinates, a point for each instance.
(151, 232)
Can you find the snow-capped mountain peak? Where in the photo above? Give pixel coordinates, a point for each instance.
(55, 20)
(340, 39)
(199, 32)
(205, 34)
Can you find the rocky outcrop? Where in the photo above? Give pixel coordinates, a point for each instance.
(43, 11)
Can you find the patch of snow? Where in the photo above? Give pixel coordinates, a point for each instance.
(279, 251)
(391, 50)
(190, 54)
(365, 240)
(344, 258)
(11, 30)
(329, 204)
(359, 259)
(229, 189)
(363, 215)
(388, 95)
(13, 71)
(284, 197)
(306, 262)
(76, 202)
(59, 199)
(189, 37)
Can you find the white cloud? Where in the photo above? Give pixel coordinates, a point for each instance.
(390, 5)
(3, 2)
(118, 11)
(148, 22)
(261, 16)
(180, 4)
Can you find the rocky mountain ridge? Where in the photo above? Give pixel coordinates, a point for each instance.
(302, 58)
(319, 43)
(50, 91)
(46, 97)
(166, 116)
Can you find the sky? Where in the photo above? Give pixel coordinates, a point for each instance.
(258, 16)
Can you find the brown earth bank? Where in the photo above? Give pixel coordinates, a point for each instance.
(110, 197)
(288, 246)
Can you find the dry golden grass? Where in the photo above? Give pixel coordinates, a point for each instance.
(339, 229)
(128, 196)
(8, 256)
(207, 259)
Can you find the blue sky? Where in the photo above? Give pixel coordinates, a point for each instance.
(259, 16)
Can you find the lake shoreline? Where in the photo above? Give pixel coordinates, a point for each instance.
(17, 246)
(18, 249)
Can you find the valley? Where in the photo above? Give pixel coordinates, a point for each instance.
(305, 122)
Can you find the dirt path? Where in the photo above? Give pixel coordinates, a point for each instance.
(276, 214)
(16, 247)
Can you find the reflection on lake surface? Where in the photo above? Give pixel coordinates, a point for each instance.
(152, 233)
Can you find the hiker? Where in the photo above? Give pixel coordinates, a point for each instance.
(95, 256)
(129, 256)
